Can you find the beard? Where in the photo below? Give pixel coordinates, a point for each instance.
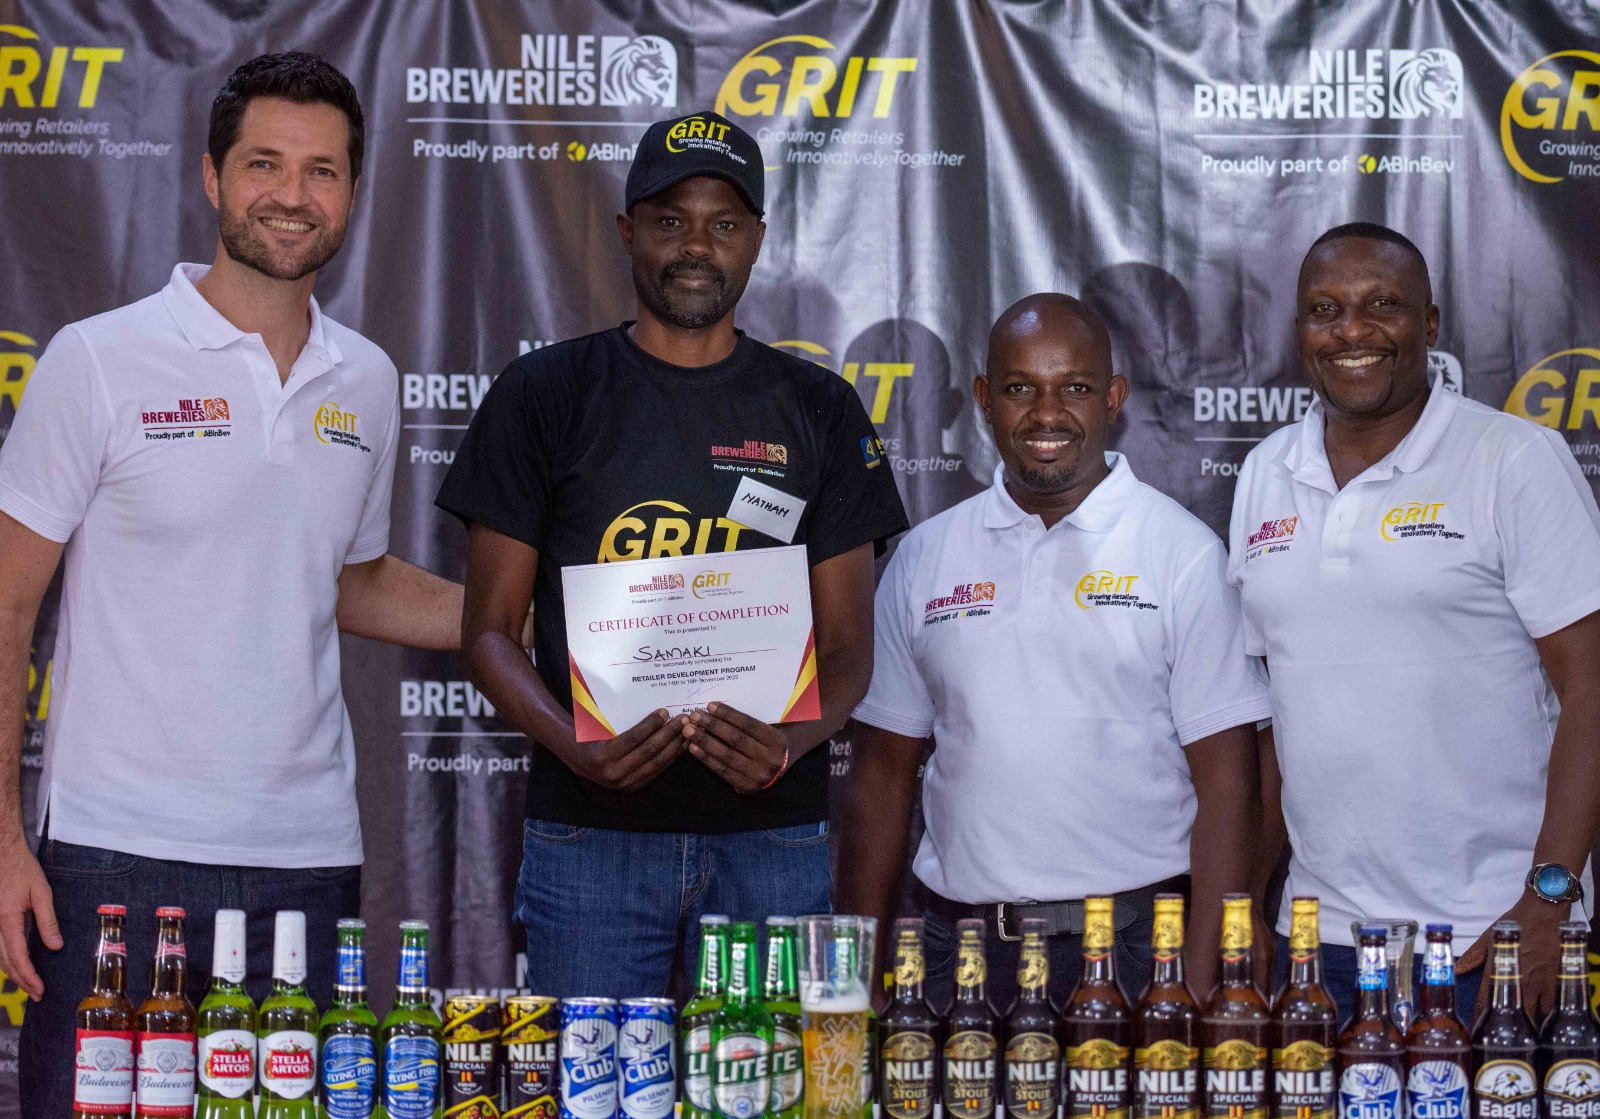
(692, 309)
(243, 241)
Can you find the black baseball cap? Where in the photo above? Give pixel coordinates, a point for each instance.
(698, 144)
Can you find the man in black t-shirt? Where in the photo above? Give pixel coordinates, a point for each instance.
(629, 444)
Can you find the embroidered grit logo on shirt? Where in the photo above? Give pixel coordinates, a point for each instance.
(1272, 536)
(1107, 588)
(191, 419)
(1417, 520)
(962, 602)
(336, 427)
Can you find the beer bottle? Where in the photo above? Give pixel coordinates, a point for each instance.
(1437, 1047)
(164, 1028)
(971, 1050)
(1503, 1042)
(409, 1038)
(1305, 1026)
(1166, 1025)
(741, 1035)
(1033, 1045)
(348, 1033)
(227, 1028)
(1372, 1053)
(103, 1068)
(287, 1027)
(694, 1024)
(1096, 1023)
(908, 1082)
(1569, 1043)
(1235, 1027)
(781, 992)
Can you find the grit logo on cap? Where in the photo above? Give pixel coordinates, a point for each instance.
(965, 600)
(1417, 520)
(705, 135)
(1107, 588)
(1550, 118)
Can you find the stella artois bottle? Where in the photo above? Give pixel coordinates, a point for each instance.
(103, 1074)
(227, 1028)
(288, 1027)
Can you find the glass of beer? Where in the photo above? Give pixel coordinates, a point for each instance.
(835, 974)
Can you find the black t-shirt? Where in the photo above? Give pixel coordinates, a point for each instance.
(594, 451)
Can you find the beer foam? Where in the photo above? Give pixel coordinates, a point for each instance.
(855, 1002)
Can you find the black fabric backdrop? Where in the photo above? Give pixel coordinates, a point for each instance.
(928, 163)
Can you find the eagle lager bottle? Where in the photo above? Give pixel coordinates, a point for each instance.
(1503, 1042)
(1438, 1050)
(164, 1028)
(908, 1081)
(1305, 1026)
(1033, 1046)
(971, 1051)
(1096, 1024)
(741, 1035)
(409, 1037)
(287, 1027)
(349, 1033)
(1372, 1053)
(781, 993)
(1166, 1025)
(1569, 1043)
(227, 1028)
(1235, 1026)
(694, 1024)
(103, 1081)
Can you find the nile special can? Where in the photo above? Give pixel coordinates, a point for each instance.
(588, 1058)
(472, 1057)
(529, 1029)
(646, 1076)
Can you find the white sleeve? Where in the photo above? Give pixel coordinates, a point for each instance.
(372, 534)
(1549, 529)
(1255, 643)
(51, 461)
(1214, 683)
(898, 699)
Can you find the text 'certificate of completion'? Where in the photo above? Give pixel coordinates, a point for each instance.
(681, 632)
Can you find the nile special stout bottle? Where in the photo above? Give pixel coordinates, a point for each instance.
(971, 1052)
(1503, 1044)
(1235, 1026)
(1438, 1050)
(1033, 1052)
(1305, 1026)
(1569, 1044)
(1166, 1025)
(1096, 1025)
(909, 1030)
(1372, 1054)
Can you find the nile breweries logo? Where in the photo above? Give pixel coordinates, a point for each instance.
(192, 418)
(1371, 84)
(1272, 536)
(752, 456)
(795, 73)
(1550, 118)
(563, 70)
(959, 603)
(656, 528)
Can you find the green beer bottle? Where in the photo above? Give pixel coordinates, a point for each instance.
(286, 1028)
(782, 994)
(226, 1073)
(349, 1034)
(694, 1024)
(410, 1035)
(741, 1036)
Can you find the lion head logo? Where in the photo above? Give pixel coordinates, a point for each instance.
(639, 71)
(1425, 84)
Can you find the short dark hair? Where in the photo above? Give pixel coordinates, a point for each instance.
(298, 76)
(1371, 231)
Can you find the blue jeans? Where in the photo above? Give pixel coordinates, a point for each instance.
(84, 878)
(1339, 977)
(605, 911)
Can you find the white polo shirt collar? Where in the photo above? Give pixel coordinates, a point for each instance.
(1098, 512)
(1307, 458)
(206, 328)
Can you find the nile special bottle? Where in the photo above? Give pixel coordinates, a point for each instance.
(741, 1035)
(1033, 1047)
(694, 1024)
(971, 1052)
(909, 1033)
(103, 1068)
(1569, 1043)
(287, 1027)
(1096, 1025)
(1305, 1026)
(1438, 1050)
(1503, 1042)
(1235, 1027)
(409, 1037)
(1372, 1054)
(227, 1028)
(781, 995)
(1166, 1026)
(164, 1029)
(348, 1034)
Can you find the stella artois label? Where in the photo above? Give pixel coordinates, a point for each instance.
(228, 1062)
(288, 1064)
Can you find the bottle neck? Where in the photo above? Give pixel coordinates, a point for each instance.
(413, 986)
(350, 983)
(1099, 965)
(111, 960)
(1438, 995)
(1168, 970)
(1033, 971)
(1572, 986)
(288, 986)
(172, 964)
(1237, 970)
(910, 970)
(1505, 979)
(1372, 983)
(1305, 967)
(1236, 932)
(781, 984)
(971, 972)
(741, 985)
(713, 966)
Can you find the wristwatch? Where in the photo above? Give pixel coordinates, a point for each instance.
(1554, 883)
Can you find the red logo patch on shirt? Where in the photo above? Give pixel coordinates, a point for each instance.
(1272, 536)
(958, 603)
(192, 419)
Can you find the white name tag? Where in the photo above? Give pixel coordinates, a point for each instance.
(767, 510)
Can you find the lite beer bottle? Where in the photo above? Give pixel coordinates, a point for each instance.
(409, 1038)
(1569, 1043)
(287, 1027)
(1096, 1024)
(165, 1029)
(1235, 1028)
(741, 1035)
(908, 1078)
(227, 1028)
(1305, 1026)
(781, 993)
(1166, 1026)
(1033, 1044)
(1372, 1054)
(103, 1073)
(1438, 1050)
(971, 1050)
(694, 1024)
(348, 1034)
(1503, 1042)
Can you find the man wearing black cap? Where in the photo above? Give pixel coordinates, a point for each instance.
(630, 444)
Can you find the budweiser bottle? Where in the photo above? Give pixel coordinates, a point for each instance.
(227, 1022)
(165, 1028)
(104, 1065)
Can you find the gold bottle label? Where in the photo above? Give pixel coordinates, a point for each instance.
(969, 1070)
(1097, 1079)
(1033, 1075)
(1033, 970)
(1166, 937)
(1166, 1081)
(1236, 1080)
(908, 1076)
(1305, 935)
(1302, 1080)
(971, 969)
(909, 968)
(1099, 932)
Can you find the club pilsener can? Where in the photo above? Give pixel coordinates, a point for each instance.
(646, 1076)
(472, 1057)
(530, 1027)
(588, 1058)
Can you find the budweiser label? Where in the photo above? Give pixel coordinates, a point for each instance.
(289, 1063)
(228, 1062)
(104, 1072)
(166, 1074)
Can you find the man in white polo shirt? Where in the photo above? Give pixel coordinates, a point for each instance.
(1422, 574)
(1069, 642)
(215, 461)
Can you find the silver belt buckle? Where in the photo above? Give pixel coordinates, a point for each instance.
(1000, 922)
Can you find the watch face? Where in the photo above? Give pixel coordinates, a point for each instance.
(1553, 881)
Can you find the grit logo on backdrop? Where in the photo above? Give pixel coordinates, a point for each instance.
(1562, 392)
(1371, 84)
(560, 70)
(1550, 118)
(71, 76)
(884, 373)
(815, 84)
(16, 366)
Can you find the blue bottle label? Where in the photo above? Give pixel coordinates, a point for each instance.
(1437, 1090)
(1369, 1091)
(349, 1077)
(413, 968)
(352, 966)
(411, 1077)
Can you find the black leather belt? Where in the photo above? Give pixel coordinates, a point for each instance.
(1061, 918)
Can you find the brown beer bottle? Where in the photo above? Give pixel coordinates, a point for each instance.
(1438, 1050)
(971, 1052)
(165, 1029)
(1305, 1026)
(1235, 1026)
(1096, 1025)
(104, 1066)
(1033, 1050)
(909, 1032)
(1166, 1026)
(1372, 1054)
(1503, 1042)
(1569, 1043)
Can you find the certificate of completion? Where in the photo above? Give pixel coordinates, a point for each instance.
(681, 632)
